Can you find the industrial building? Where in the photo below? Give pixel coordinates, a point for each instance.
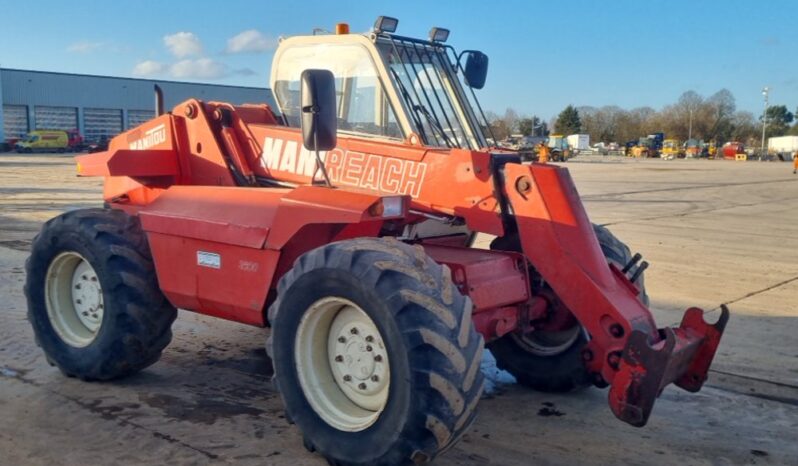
(97, 105)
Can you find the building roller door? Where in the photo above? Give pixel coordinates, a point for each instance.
(64, 118)
(15, 121)
(137, 117)
(101, 122)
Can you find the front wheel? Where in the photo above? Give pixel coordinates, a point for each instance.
(374, 352)
(551, 361)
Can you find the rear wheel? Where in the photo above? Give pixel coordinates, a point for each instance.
(374, 352)
(551, 361)
(93, 299)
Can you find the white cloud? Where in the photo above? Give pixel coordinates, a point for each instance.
(250, 40)
(149, 68)
(192, 62)
(201, 68)
(84, 46)
(183, 44)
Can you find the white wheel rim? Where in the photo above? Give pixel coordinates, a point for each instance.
(549, 343)
(74, 299)
(342, 364)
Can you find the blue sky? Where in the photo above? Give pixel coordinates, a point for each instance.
(543, 55)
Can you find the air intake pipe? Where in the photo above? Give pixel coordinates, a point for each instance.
(158, 100)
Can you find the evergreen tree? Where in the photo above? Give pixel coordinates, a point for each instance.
(568, 121)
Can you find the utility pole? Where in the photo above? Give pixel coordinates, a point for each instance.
(765, 91)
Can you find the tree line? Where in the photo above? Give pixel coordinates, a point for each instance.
(706, 118)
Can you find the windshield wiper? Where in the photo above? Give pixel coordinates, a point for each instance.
(433, 123)
(410, 104)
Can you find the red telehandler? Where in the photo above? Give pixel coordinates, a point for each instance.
(344, 222)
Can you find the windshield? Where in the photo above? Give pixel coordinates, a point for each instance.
(429, 90)
(363, 106)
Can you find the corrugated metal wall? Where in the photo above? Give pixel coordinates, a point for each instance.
(15, 121)
(48, 117)
(101, 122)
(132, 97)
(137, 117)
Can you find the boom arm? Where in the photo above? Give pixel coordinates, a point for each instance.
(626, 349)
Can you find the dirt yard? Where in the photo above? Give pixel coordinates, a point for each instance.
(714, 232)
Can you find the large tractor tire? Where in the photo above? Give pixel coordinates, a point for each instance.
(552, 361)
(374, 352)
(93, 298)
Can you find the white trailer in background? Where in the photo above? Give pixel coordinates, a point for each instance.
(578, 142)
(784, 147)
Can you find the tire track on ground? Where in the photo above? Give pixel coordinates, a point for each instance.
(694, 212)
(754, 293)
(687, 188)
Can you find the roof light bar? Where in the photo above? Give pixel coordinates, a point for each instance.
(386, 24)
(438, 34)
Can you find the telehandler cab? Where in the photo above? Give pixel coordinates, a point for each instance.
(344, 222)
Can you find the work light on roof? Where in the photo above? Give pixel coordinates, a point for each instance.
(438, 34)
(385, 24)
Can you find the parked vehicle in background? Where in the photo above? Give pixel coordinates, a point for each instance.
(783, 147)
(600, 148)
(558, 145)
(712, 149)
(578, 142)
(671, 149)
(76, 142)
(693, 148)
(649, 146)
(732, 150)
(50, 140)
(9, 144)
(99, 146)
(44, 141)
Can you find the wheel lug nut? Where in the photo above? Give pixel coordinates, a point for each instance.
(84, 277)
(369, 338)
(362, 386)
(79, 301)
(375, 378)
(77, 287)
(353, 331)
(341, 340)
(347, 378)
(339, 358)
(85, 314)
(378, 358)
(369, 348)
(94, 279)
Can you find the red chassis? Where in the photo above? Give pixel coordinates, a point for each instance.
(220, 244)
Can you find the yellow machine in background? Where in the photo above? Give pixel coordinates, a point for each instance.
(671, 149)
(712, 150)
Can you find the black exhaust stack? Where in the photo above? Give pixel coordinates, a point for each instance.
(158, 100)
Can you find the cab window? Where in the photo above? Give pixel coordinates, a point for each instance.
(363, 106)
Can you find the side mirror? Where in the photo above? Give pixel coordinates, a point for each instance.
(476, 69)
(319, 116)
